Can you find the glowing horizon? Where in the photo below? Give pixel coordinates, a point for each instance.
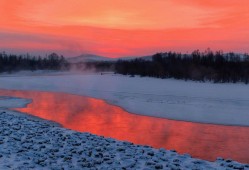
(123, 28)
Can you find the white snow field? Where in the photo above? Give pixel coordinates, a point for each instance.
(27, 142)
(226, 104)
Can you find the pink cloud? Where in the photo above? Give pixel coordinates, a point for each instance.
(123, 28)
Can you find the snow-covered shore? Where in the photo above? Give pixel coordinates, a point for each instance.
(226, 104)
(27, 142)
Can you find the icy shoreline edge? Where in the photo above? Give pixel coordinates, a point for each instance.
(27, 142)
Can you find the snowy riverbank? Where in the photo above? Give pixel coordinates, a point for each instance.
(226, 104)
(28, 142)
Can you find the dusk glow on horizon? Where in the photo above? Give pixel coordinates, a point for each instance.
(118, 28)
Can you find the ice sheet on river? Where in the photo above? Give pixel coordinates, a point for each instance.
(167, 98)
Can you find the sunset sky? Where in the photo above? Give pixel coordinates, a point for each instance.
(118, 28)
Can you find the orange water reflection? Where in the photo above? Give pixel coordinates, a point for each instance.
(96, 116)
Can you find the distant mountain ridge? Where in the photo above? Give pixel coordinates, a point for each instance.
(94, 58)
(88, 58)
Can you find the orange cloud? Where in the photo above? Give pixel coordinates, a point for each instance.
(123, 28)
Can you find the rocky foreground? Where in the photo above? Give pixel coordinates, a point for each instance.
(31, 143)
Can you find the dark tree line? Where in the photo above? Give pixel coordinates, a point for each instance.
(11, 62)
(198, 66)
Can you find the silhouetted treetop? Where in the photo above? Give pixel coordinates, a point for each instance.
(11, 62)
(199, 66)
